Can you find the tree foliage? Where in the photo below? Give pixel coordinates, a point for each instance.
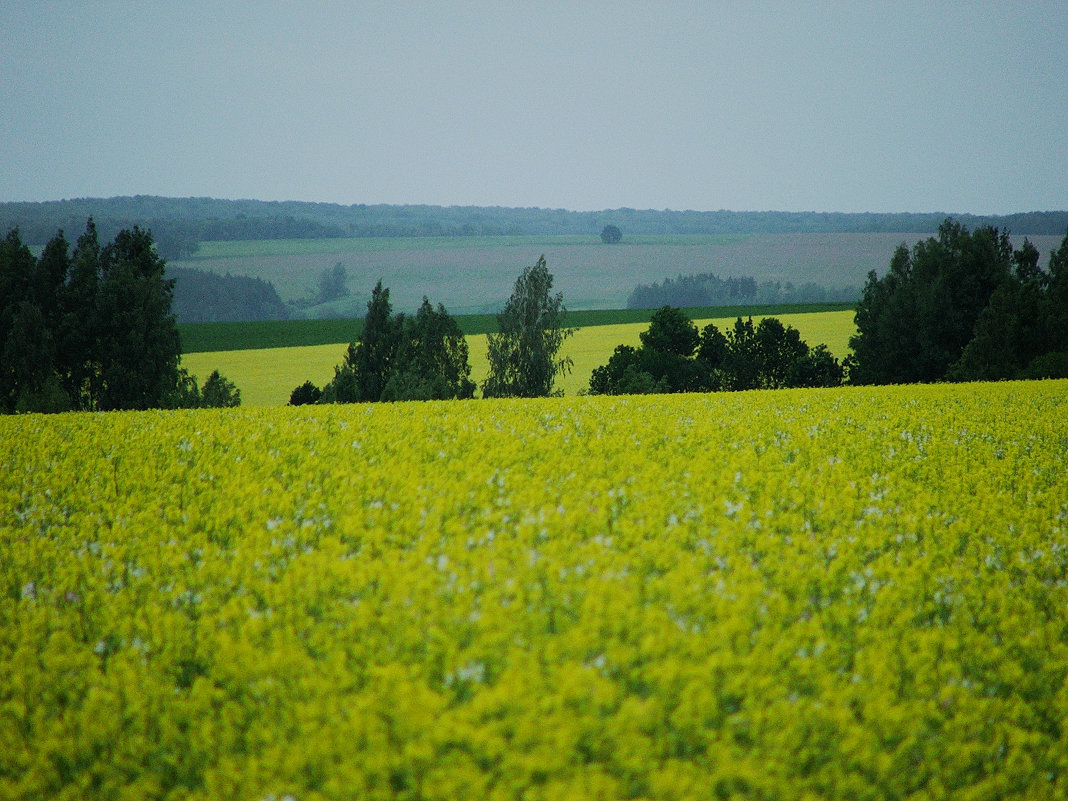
(432, 359)
(369, 358)
(91, 330)
(627, 373)
(137, 343)
(201, 297)
(523, 354)
(396, 357)
(307, 393)
(962, 306)
(611, 235)
(218, 392)
(675, 357)
(708, 289)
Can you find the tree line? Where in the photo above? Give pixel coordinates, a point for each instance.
(425, 357)
(180, 224)
(959, 306)
(92, 329)
(963, 306)
(204, 297)
(708, 289)
(675, 357)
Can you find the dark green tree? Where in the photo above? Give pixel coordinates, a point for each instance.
(524, 353)
(432, 360)
(28, 361)
(712, 349)
(185, 394)
(671, 331)
(913, 324)
(1055, 312)
(885, 348)
(1048, 365)
(611, 234)
(667, 351)
(362, 377)
(92, 330)
(625, 374)
(403, 358)
(307, 393)
(48, 280)
(1022, 324)
(711, 358)
(16, 265)
(674, 358)
(817, 368)
(219, 393)
(1006, 336)
(21, 322)
(136, 336)
(76, 340)
(376, 346)
(778, 347)
(741, 365)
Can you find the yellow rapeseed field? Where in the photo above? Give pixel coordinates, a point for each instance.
(266, 377)
(858, 593)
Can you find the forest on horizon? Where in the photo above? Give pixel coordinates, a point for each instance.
(179, 225)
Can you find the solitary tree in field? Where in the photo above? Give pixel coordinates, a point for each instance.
(611, 234)
(331, 284)
(523, 354)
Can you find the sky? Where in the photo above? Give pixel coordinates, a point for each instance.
(789, 106)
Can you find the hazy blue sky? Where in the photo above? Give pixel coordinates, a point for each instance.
(860, 106)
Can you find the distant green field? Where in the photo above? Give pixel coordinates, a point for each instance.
(214, 337)
(475, 275)
(303, 247)
(266, 376)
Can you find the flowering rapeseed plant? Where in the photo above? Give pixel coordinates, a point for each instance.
(849, 593)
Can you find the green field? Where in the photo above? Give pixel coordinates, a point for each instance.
(475, 275)
(266, 376)
(211, 251)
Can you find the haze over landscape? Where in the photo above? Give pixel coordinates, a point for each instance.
(533, 400)
(961, 108)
